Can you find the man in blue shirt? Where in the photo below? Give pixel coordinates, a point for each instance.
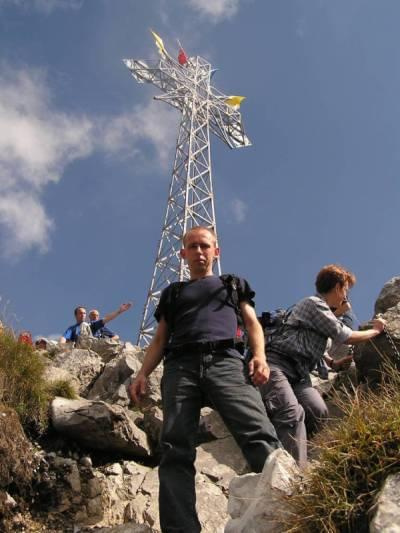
(73, 332)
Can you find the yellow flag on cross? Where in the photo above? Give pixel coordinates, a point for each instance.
(159, 42)
(234, 101)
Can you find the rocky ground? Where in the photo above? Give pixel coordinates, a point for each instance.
(96, 467)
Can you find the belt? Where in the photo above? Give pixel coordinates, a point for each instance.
(204, 347)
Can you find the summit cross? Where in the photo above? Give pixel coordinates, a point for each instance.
(186, 85)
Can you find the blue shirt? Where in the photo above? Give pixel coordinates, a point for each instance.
(73, 332)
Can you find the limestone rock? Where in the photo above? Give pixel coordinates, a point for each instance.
(153, 394)
(387, 514)
(257, 501)
(122, 494)
(106, 348)
(53, 373)
(130, 496)
(389, 295)
(62, 488)
(214, 424)
(133, 349)
(152, 423)
(211, 426)
(211, 505)
(220, 461)
(111, 386)
(368, 356)
(85, 365)
(99, 426)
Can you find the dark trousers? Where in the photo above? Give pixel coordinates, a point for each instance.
(296, 409)
(186, 382)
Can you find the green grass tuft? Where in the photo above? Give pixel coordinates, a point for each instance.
(355, 456)
(63, 388)
(22, 385)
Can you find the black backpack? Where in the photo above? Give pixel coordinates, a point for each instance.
(273, 322)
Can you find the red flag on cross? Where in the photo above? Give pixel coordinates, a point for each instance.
(182, 57)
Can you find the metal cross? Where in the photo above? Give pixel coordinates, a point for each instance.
(186, 85)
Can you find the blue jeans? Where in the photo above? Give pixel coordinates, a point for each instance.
(187, 381)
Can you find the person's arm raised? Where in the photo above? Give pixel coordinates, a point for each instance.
(154, 354)
(121, 309)
(258, 367)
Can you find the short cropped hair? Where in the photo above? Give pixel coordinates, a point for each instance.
(330, 275)
(200, 228)
(77, 309)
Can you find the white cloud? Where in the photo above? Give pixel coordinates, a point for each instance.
(215, 9)
(153, 123)
(45, 6)
(239, 210)
(25, 223)
(37, 142)
(50, 337)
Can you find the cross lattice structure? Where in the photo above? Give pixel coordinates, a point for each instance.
(186, 85)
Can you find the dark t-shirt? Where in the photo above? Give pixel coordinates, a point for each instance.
(101, 333)
(203, 310)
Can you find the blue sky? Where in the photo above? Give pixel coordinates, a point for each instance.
(86, 153)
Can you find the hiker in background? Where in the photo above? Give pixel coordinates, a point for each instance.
(41, 344)
(25, 337)
(196, 334)
(342, 354)
(82, 327)
(338, 356)
(295, 349)
(103, 332)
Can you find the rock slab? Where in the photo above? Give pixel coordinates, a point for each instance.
(387, 515)
(257, 501)
(99, 426)
(389, 295)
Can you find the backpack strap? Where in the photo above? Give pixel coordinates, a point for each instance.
(173, 294)
(233, 287)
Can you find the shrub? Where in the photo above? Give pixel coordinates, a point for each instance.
(63, 388)
(356, 454)
(22, 385)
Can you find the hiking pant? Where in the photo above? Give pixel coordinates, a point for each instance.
(296, 410)
(187, 381)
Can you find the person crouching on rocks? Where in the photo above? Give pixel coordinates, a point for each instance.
(295, 408)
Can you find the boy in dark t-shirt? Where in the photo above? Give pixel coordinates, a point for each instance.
(196, 334)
